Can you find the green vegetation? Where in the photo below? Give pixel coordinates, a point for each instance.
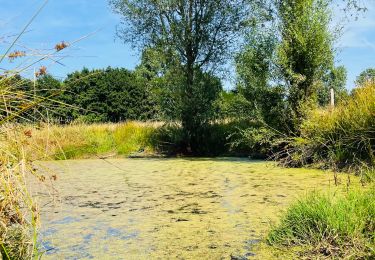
(366, 76)
(194, 36)
(144, 139)
(305, 53)
(333, 225)
(106, 95)
(109, 95)
(173, 104)
(342, 137)
(95, 141)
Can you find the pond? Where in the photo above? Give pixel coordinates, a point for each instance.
(166, 208)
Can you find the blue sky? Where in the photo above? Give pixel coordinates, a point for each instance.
(70, 20)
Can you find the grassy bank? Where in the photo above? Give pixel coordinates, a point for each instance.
(132, 138)
(53, 142)
(334, 225)
(329, 225)
(339, 138)
(102, 140)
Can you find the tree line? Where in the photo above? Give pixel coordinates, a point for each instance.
(283, 53)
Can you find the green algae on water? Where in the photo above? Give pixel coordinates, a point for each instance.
(168, 208)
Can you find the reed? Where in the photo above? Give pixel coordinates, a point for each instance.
(339, 138)
(19, 214)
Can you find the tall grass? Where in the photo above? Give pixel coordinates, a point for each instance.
(19, 215)
(333, 225)
(343, 137)
(132, 138)
(79, 141)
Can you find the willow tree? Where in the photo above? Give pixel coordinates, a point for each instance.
(202, 33)
(306, 53)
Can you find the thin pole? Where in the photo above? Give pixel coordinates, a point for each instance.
(332, 98)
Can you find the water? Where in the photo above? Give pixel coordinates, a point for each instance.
(165, 208)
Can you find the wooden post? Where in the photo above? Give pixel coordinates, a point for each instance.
(332, 98)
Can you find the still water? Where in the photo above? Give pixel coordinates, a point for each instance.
(166, 208)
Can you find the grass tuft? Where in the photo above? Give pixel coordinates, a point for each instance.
(329, 225)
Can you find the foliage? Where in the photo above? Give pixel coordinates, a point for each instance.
(366, 75)
(47, 87)
(305, 54)
(334, 225)
(336, 80)
(256, 72)
(234, 106)
(77, 141)
(201, 34)
(257, 140)
(109, 95)
(343, 137)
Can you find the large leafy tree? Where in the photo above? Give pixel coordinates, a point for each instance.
(306, 53)
(201, 33)
(107, 95)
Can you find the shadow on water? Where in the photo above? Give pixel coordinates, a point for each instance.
(166, 208)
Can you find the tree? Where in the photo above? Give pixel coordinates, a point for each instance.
(305, 54)
(257, 76)
(201, 33)
(49, 89)
(336, 80)
(365, 76)
(107, 95)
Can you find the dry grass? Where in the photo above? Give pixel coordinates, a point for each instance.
(339, 138)
(19, 217)
(91, 141)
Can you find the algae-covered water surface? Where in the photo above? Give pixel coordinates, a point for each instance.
(166, 208)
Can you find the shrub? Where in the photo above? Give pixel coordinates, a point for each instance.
(257, 141)
(342, 137)
(106, 95)
(218, 138)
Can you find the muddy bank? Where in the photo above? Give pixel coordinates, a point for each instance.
(166, 208)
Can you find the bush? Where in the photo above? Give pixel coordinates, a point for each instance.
(333, 225)
(257, 142)
(219, 138)
(339, 138)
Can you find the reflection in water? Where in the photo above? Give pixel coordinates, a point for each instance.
(166, 208)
